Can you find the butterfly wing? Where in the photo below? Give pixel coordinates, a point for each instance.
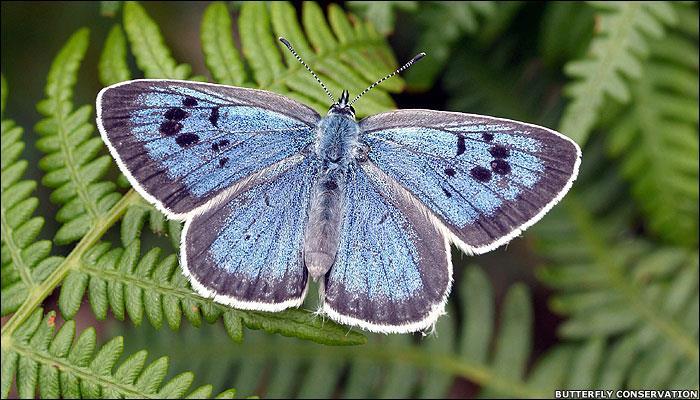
(392, 272)
(485, 179)
(245, 251)
(183, 143)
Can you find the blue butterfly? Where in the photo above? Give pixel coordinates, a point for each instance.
(271, 192)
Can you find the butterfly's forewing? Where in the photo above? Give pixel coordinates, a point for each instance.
(486, 179)
(392, 272)
(183, 143)
(246, 250)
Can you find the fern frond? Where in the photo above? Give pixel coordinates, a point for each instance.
(623, 30)
(141, 213)
(25, 260)
(345, 55)
(152, 286)
(397, 366)
(57, 366)
(657, 138)
(113, 67)
(643, 298)
(220, 52)
(75, 162)
(147, 44)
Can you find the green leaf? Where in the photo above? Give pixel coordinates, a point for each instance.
(614, 56)
(73, 164)
(148, 46)
(26, 260)
(344, 57)
(612, 285)
(657, 139)
(151, 285)
(393, 366)
(220, 52)
(83, 371)
(113, 67)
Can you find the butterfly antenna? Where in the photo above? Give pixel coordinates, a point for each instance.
(289, 46)
(408, 64)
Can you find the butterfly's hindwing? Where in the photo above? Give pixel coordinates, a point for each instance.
(392, 272)
(485, 178)
(246, 250)
(182, 143)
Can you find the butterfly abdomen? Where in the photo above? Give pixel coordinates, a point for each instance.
(336, 138)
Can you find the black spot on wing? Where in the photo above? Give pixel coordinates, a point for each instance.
(219, 145)
(170, 128)
(480, 173)
(448, 194)
(330, 185)
(487, 136)
(175, 114)
(189, 101)
(461, 145)
(214, 117)
(500, 167)
(498, 151)
(450, 172)
(223, 161)
(187, 139)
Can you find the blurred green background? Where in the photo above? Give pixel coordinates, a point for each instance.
(602, 293)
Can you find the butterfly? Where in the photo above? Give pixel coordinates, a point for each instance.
(273, 195)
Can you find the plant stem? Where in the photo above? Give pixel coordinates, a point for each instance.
(43, 290)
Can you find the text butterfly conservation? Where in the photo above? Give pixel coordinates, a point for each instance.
(271, 193)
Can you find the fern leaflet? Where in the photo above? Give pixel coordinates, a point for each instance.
(397, 366)
(622, 33)
(152, 286)
(220, 52)
(58, 366)
(658, 138)
(152, 56)
(113, 67)
(26, 261)
(73, 164)
(644, 299)
(333, 48)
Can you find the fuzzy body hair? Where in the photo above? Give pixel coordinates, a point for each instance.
(336, 145)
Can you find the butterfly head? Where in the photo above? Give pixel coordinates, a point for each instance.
(342, 106)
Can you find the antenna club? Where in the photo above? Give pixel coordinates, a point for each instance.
(285, 41)
(417, 57)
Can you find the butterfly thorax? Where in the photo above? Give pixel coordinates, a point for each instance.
(336, 147)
